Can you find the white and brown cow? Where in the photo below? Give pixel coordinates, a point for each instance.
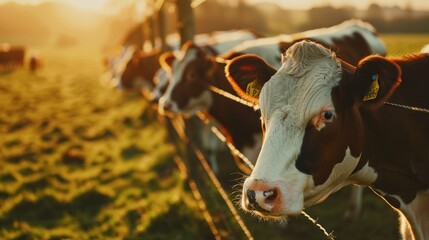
(198, 69)
(329, 124)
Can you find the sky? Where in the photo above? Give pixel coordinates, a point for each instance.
(361, 4)
(294, 4)
(84, 4)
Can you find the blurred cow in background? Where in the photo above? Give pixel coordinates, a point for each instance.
(11, 56)
(135, 69)
(35, 62)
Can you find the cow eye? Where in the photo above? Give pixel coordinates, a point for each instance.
(328, 116)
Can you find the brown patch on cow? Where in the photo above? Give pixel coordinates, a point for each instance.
(349, 48)
(392, 201)
(396, 139)
(286, 45)
(142, 65)
(322, 150)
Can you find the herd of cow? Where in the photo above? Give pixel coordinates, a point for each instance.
(12, 57)
(329, 110)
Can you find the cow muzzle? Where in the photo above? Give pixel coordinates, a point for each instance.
(261, 197)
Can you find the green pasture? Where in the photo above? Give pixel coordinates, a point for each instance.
(79, 160)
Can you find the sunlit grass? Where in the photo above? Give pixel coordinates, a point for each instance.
(81, 160)
(403, 44)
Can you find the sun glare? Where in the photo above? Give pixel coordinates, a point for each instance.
(83, 4)
(88, 4)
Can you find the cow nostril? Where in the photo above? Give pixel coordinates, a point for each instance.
(270, 196)
(261, 200)
(167, 106)
(251, 196)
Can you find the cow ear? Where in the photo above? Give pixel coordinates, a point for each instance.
(166, 60)
(247, 74)
(375, 80)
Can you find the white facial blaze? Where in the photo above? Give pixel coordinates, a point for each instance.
(276, 162)
(300, 90)
(161, 81)
(178, 68)
(116, 66)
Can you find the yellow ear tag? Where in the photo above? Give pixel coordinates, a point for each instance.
(373, 89)
(253, 88)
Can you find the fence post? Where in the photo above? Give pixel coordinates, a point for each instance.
(151, 30)
(162, 30)
(186, 24)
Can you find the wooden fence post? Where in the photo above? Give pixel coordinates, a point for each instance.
(162, 30)
(186, 24)
(151, 30)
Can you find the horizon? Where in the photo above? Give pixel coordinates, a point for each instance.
(102, 5)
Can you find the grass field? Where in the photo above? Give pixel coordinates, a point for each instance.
(82, 161)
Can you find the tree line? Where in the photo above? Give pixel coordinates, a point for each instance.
(272, 19)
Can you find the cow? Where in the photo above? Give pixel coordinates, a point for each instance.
(161, 78)
(328, 124)
(140, 70)
(136, 69)
(115, 65)
(161, 83)
(11, 56)
(189, 92)
(35, 62)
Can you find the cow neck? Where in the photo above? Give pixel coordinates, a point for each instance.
(394, 138)
(241, 121)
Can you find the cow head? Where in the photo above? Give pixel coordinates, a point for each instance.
(162, 76)
(161, 83)
(139, 71)
(116, 64)
(190, 73)
(311, 112)
(129, 77)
